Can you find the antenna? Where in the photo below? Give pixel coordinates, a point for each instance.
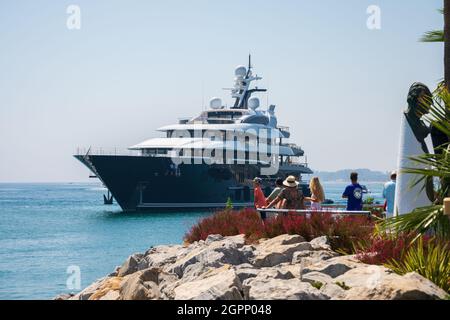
(249, 61)
(203, 96)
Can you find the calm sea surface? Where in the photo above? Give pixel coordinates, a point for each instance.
(45, 228)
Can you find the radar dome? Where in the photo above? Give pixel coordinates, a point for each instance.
(215, 103)
(240, 71)
(253, 103)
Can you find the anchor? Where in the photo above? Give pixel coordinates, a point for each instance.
(108, 199)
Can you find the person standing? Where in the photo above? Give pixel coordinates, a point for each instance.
(317, 194)
(353, 193)
(389, 194)
(260, 199)
(291, 196)
(258, 195)
(276, 191)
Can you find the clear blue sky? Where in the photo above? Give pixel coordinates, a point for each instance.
(137, 65)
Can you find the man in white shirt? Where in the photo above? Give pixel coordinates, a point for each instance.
(389, 194)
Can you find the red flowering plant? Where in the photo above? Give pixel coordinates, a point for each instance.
(343, 232)
(384, 248)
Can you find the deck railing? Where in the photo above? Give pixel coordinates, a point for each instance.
(333, 209)
(107, 152)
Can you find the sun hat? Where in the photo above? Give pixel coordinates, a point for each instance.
(290, 182)
(257, 180)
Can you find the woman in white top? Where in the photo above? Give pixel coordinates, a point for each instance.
(317, 194)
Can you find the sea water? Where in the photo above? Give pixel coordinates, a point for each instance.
(49, 230)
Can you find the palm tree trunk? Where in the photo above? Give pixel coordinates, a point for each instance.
(447, 43)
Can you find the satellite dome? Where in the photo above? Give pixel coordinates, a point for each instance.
(253, 103)
(215, 103)
(240, 71)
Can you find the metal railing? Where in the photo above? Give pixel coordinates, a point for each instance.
(284, 128)
(310, 211)
(107, 152)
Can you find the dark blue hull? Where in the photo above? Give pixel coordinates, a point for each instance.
(151, 183)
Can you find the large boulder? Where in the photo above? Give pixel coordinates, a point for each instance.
(219, 284)
(64, 296)
(268, 288)
(333, 267)
(320, 243)
(372, 282)
(214, 255)
(145, 284)
(107, 290)
(333, 291)
(278, 250)
(308, 257)
(130, 265)
(111, 295)
(87, 292)
(317, 278)
(161, 256)
(245, 273)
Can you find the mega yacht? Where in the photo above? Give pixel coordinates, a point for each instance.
(204, 162)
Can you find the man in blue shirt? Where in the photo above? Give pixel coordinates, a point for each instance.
(353, 193)
(389, 194)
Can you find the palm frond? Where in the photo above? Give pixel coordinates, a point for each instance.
(420, 221)
(433, 36)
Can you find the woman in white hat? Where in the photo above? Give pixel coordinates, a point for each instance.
(291, 195)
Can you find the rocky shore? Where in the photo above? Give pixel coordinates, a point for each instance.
(226, 268)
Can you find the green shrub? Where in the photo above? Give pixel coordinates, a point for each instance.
(317, 284)
(432, 261)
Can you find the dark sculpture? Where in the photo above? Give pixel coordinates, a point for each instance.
(419, 101)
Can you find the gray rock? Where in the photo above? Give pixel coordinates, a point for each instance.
(140, 286)
(248, 252)
(315, 256)
(320, 243)
(213, 237)
(280, 272)
(145, 285)
(130, 265)
(284, 239)
(215, 255)
(370, 282)
(86, 293)
(111, 295)
(272, 253)
(264, 288)
(64, 296)
(314, 277)
(238, 240)
(333, 291)
(245, 273)
(115, 273)
(219, 284)
(243, 266)
(333, 267)
(161, 256)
